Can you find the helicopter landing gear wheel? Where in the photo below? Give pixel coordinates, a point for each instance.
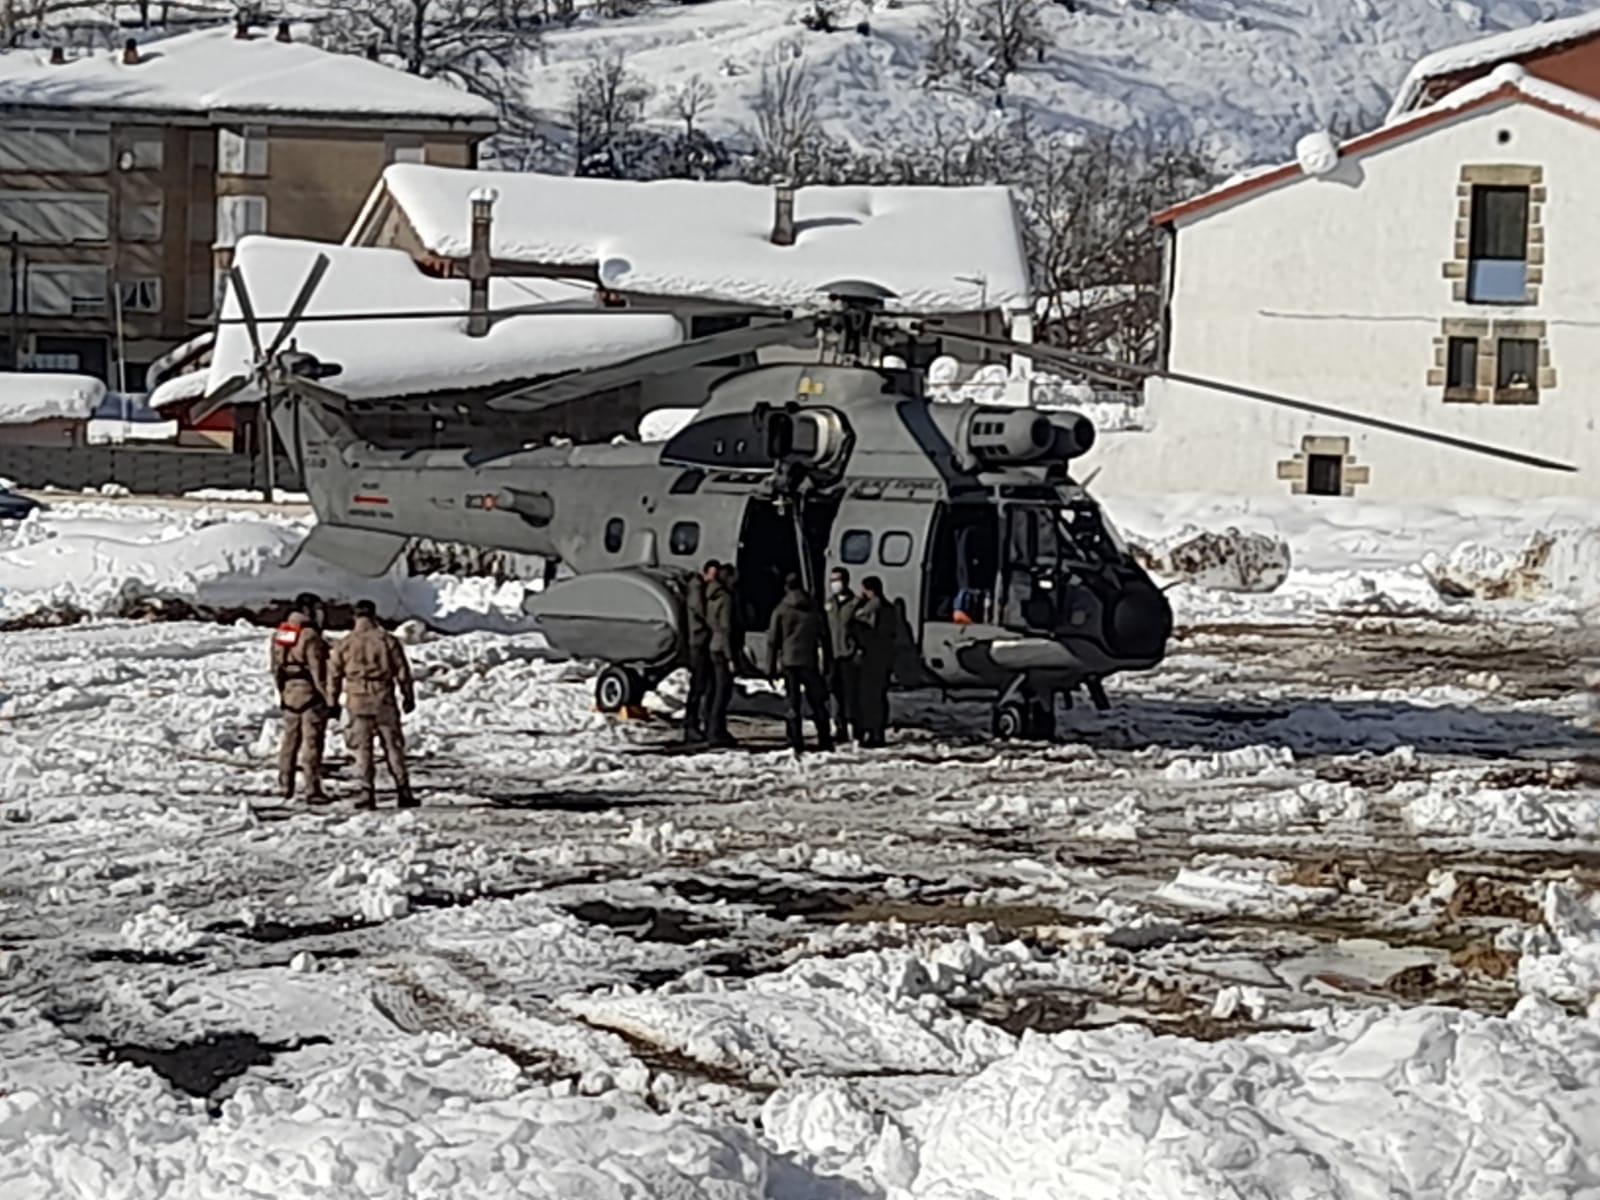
(1010, 721)
(1024, 717)
(618, 688)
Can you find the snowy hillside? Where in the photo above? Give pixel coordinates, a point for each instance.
(1242, 77)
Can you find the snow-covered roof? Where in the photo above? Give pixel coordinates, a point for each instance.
(213, 71)
(401, 357)
(1497, 48)
(191, 385)
(1509, 83)
(939, 249)
(26, 397)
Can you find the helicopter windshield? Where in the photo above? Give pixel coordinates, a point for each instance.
(1049, 549)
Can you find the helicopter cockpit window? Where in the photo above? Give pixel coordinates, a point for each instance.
(685, 537)
(855, 547)
(894, 549)
(615, 528)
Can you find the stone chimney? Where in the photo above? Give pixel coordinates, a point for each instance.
(783, 212)
(372, 51)
(479, 261)
(130, 53)
(283, 32)
(241, 26)
(58, 55)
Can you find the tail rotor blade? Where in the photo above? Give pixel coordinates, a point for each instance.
(319, 268)
(247, 310)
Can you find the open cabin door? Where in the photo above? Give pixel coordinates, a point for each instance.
(883, 530)
(776, 540)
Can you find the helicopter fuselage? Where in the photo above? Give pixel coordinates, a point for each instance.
(1005, 570)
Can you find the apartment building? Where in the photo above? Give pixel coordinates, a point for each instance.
(127, 176)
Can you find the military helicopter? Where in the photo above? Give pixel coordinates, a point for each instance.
(1010, 579)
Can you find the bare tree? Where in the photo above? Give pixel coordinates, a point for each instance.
(1012, 30)
(607, 106)
(788, 129)
(945, 28)
(689, 101)
(479, 45)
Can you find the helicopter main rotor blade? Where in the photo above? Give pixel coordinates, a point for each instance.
(1083, 363)
(241, 294)
(574, 385)
(297, 310)
(554, 308)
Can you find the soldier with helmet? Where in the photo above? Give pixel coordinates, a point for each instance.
(299, 659)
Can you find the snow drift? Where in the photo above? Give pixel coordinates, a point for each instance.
(1229, 561)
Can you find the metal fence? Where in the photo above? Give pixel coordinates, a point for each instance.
(154, 471)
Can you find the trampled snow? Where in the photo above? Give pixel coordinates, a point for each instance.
(212, 71)
(413, 356)
(26, 397)
(592, 965)
(714, 240)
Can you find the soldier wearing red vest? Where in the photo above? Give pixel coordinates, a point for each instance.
(300, 671)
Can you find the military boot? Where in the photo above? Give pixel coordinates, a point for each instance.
(367, 800)
(407, 799)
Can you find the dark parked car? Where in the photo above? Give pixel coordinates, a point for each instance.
(14, 507)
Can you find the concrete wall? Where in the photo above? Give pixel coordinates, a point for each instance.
(1338, 290)
(42, 433)
(147, 471)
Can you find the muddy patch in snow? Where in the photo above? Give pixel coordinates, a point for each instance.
(201, 1067)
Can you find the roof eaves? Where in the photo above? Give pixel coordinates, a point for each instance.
(1425, 119)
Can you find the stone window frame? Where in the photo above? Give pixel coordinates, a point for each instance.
(1498, 175)
(1296, 470)
(1488, 334)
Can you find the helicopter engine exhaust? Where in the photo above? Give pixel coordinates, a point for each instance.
(1023, 437)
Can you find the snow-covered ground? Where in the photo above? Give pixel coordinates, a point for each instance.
(1306, 912)
(1245, 78)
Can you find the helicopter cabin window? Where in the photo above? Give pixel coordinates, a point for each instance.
(855, 547)
(615, 528)
(894, 549)
(685, 537)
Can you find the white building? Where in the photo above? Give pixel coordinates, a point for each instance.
(1440, 271)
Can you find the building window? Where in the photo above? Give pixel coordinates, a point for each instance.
(685, 537)
(242, 151)
(1497, 257)
(55, 150)
(1516, 371)
(238, 217)
(141, 222)
(855, 547)
(140, 295)
(1325, 474)
(145, 152)
(55, 289)
(55, 218)
(1461, 364)
(894, 550)
(615, 528)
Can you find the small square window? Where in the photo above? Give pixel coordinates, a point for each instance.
(1461, 364)
(1325, 474)
(685, 537)
(894, 550)
(1517, 366)
(855, 547)
(615, 528)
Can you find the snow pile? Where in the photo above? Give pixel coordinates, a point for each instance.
(880, 1010)
(1562, 562)
(661, 424)
(713, 240)
(158, 930)
(26, 397)
(1317, 152)
(1372, 1105)
(1245, 762)
(1562, 960)
(1457, 805)
(1230, 561)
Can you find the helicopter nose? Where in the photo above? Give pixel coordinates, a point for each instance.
(1140, 622)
